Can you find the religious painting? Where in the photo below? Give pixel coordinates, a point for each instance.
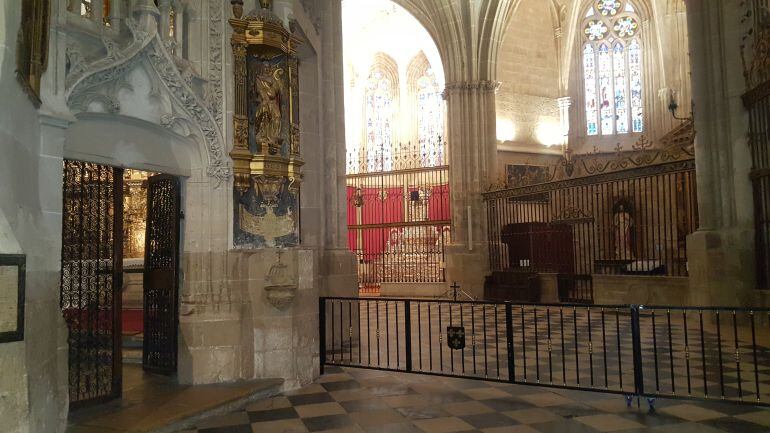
(32, 46)
(12, 276)
(266, 151)
(524, 174)
(267, 105)
(268, 214)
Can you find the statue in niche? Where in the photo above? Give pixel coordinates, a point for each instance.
(268, 115)
(623, 224)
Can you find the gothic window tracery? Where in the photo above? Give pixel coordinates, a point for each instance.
(612, 69)
(430, 117)
(381, 88)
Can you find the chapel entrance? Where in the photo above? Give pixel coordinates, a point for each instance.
(119, 280)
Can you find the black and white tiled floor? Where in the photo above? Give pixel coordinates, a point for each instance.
(369, 401)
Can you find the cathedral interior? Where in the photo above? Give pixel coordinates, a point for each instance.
(384, 216)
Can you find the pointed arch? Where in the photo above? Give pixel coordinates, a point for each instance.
(381, 102)
(427, 107)
(611, 77)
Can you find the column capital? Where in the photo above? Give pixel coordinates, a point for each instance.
(480, 86)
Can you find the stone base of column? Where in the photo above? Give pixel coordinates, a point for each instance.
(340, 273)
(467, 268)
(721, 268)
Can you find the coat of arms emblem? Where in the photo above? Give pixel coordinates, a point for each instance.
(455, 337)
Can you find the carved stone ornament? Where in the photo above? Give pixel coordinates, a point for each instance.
(266, 113)
(280, 289)
(101, 80)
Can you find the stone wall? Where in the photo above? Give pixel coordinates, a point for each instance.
(527, 67)
(640, 290)
(33, 383)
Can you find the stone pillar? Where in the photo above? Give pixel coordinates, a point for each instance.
(721, 252)
(472, 149)
(565, 103)
(97, 11)
(164, 6)
(339, 267)
(116, 14)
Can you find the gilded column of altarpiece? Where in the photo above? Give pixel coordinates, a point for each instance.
(266, 151)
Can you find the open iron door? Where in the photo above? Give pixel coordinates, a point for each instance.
(91, 279)
(161, 275)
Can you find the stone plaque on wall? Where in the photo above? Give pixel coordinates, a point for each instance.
(12, 272)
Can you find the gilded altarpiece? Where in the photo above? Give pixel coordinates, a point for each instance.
(266, 152)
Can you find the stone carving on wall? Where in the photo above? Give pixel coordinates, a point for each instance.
(171, 80)
(266, 148)
(525, 174)
(216, 42)
(755, 48)
(281, 289)
(32, 46)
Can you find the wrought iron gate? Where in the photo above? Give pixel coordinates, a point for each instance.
(708, 353)
(628, 222)
(398, 218)
(91, 279)
(161, 275)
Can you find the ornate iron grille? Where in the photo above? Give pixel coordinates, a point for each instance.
(629, 222)
(91, 278)
(398, 225)
(757, 102)
(704, 353)
(161, 275)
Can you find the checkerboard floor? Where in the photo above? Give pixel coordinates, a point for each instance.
(369, 401)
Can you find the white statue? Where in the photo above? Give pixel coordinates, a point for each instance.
(623, 223)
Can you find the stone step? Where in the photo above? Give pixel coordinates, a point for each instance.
(157, 405)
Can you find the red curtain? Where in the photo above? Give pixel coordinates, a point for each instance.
(387, 206)
(380, 207)
(438, 203)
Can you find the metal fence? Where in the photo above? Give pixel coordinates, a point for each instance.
(757, 102)
(699, 353)
(630, 222)
(398, 220)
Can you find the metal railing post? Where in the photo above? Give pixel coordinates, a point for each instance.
(408, 334)
(509, 340)
(322, 332)
(637, 348)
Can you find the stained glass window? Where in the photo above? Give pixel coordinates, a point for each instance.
(635, 74)
(380, 91)
(606, 111)
(589, 70)
(612, 69)
(608, 7)
(621, 104)
(430, 120)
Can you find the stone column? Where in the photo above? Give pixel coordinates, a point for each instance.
(97, 11)
(564, 103)
(721, 252)
(116, 14)
(472, 149)
(164, 6)
(339, 267)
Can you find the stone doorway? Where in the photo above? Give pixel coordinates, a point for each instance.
(119, 283)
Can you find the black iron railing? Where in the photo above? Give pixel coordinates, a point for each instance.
(628, 222)
(700, 353)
